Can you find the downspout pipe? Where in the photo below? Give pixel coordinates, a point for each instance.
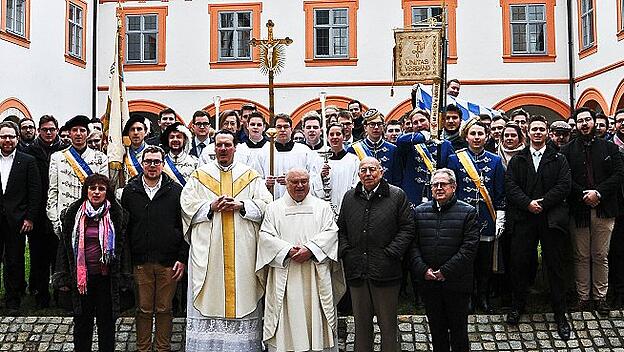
(94, 61)
(571, 72)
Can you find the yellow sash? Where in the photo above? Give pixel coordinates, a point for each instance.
(74, 165)
(359, 150)
(132, 171)
(467, 163)
(428, 162)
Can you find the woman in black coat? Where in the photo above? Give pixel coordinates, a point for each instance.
(89, 262)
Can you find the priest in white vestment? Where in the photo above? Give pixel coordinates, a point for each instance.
(341, 170)
(298, 246)
(222, 207)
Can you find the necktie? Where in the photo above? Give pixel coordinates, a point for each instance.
(200, 148)
(536, 159)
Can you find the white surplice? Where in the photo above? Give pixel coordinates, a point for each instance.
(224, 312)
(300, 301)
(343, 175)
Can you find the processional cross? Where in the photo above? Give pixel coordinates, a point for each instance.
(272, 60)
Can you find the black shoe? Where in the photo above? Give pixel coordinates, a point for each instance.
(563, 328)
(583, 306)
(618, 301)
(601, 307)
(513, 317)
(483, 303)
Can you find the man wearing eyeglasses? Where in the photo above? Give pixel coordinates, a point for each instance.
(312, 130)
(375, 230)
(442, 257)
(20, 199)
(374, 145)
(157, 247)
(597, 175)
(42, 238)
(345, 118)
(228, 120)
(27, 133)
(200, 125)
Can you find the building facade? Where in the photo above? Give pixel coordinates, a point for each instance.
(181, 54)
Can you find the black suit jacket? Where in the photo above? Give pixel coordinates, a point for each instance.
(22, 198)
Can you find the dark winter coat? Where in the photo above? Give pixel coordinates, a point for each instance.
(154, 226)
(118, 269)
(374, 234)
(447, 239)
(608, 175)
(551, 182)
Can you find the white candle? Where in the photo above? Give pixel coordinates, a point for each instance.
(322, 97)
(217, 104)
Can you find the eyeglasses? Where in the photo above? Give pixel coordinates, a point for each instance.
(375, 124)
(47, 130)
(154, 162)
(27, 127)
(585, 119)
(282, 127)
(94, 188)
(229, 123)
(440, 185)
(8, 136)
(202, 124)
(348, 123)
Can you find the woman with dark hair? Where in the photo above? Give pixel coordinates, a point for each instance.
(89, 262)
(512, 142)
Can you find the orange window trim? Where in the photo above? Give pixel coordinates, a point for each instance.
(17, 104)
(620, 22)
(82, 61)
(23, 41)
(583, 53)
(162, 12)
(308, 8)
(550, 55)
(213, 10)
(451, 7)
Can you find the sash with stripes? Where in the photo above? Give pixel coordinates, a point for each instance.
(172, 170)
(77, 163)
(359, 150)
(426, 156)
(467, 163)
(132, 163)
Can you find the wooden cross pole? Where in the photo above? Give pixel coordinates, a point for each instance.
(272, 59)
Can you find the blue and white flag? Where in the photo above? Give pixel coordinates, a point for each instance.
(422, 95)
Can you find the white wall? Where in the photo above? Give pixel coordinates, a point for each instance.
(39, 76)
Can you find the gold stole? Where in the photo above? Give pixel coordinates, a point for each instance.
(467, 163)
(231, 189)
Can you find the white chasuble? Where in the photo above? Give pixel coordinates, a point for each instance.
(224, 308)
(300, 301)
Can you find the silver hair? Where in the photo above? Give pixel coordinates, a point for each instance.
(448, 172)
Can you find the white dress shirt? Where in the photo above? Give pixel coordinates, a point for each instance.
(151, 191)
(537, 155)
(6, 162)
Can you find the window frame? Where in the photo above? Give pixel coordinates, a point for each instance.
(589, 15)
(451, 31)
(429, 10)
(235, 30)
(161, 39)
(527, 22)
(214, 10)
(309, 8)
(143, 33)
(70, 56)
(550, 54)
(331, 48)
(7, 33)
(620, 20)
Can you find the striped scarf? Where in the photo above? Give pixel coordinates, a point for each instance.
(106, 235)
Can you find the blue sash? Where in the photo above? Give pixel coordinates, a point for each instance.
(77, 163)
(174, 170)
(135, 162)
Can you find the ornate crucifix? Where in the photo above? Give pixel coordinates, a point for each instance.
(272, 59)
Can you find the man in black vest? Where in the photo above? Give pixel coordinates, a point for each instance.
(537, 184)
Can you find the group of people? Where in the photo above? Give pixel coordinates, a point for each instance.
(266, 238)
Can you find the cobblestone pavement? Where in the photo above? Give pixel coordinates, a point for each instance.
(536, 332)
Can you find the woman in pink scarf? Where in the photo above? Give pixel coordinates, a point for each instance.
(88, 264)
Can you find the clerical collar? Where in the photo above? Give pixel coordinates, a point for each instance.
(284, 147)
(224, 168)
(339, 155)
(317, 146)
(256, 145)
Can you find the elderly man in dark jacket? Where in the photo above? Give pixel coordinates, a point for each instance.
(442, 257)
(537, 184)
(157, 247)
(597, 173)
(375, 230)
